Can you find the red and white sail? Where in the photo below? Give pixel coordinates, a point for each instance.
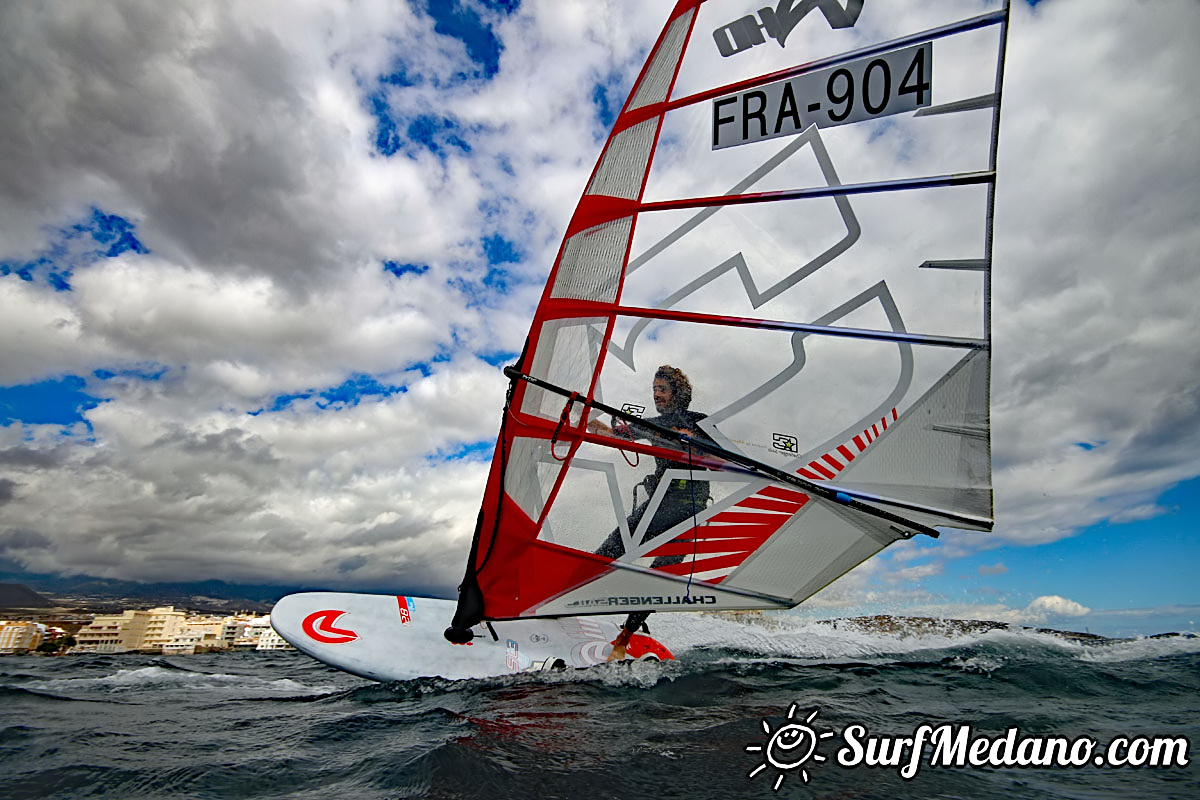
(793, 208)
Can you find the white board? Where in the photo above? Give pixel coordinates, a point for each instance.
(397, 637)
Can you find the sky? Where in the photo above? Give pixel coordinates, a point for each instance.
(261, 265)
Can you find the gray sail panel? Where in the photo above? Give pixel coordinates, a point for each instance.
(938, 453)
(623, 166)
(822, 542)
(591, 263)
(657, 81)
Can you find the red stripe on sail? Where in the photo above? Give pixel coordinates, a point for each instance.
(725, 531)
(780, 493)
(745, 517)
(704, 564)
(677, 547)
(762, 503)
(825, 473)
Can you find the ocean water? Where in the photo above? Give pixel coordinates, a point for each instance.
(280, 725)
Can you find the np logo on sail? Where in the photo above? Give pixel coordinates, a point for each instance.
(742, 34)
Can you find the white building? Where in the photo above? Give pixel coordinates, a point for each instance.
(270, 640)
(198, 633)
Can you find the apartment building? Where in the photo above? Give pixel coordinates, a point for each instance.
(165, 623)
(113, 633)
(19, 637)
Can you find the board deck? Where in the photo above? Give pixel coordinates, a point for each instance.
(399, 637)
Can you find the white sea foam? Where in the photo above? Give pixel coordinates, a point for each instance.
(1142, 649)
(795, 637)
(154, 677)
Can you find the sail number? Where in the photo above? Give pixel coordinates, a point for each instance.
(871, 87)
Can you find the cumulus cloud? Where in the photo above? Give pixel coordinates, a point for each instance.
(293, 248)
(1095, 220)
(1046, 606)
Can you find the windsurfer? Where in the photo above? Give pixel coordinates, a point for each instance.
(683, 498)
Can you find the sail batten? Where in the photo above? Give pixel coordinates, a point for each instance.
(906, 184)
(757, 363)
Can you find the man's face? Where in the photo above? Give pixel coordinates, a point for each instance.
(662, 395)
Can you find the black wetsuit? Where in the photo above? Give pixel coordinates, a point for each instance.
(683, 498)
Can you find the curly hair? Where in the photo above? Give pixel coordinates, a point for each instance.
(681, 387)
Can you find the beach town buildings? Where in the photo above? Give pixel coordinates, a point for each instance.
(171, 631)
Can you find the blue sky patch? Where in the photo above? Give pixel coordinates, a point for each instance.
(356, 388)
(347, 394)
(424, 368)
(113, 231)
(499, 358)
(608, 96)
(400, 76)
(485, 291)
(1137, 564)
(472, 451)
(498, 280)
(395, 133)
(437, 134)
(146, 372)
(505, 7)
(387, 131)
(98, 236)
(400, 270)
(50, 402)
(500, 250)
(455, 20)
(607, 100)
(440, 135)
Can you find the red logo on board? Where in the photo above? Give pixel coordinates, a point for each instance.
(319, 627)
(405, 609)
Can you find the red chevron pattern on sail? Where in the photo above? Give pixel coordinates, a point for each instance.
(718, 546)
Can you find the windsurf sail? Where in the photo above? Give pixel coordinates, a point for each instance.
(793, 212)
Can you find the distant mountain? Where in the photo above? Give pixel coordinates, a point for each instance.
(200, 595)
(18, 595)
